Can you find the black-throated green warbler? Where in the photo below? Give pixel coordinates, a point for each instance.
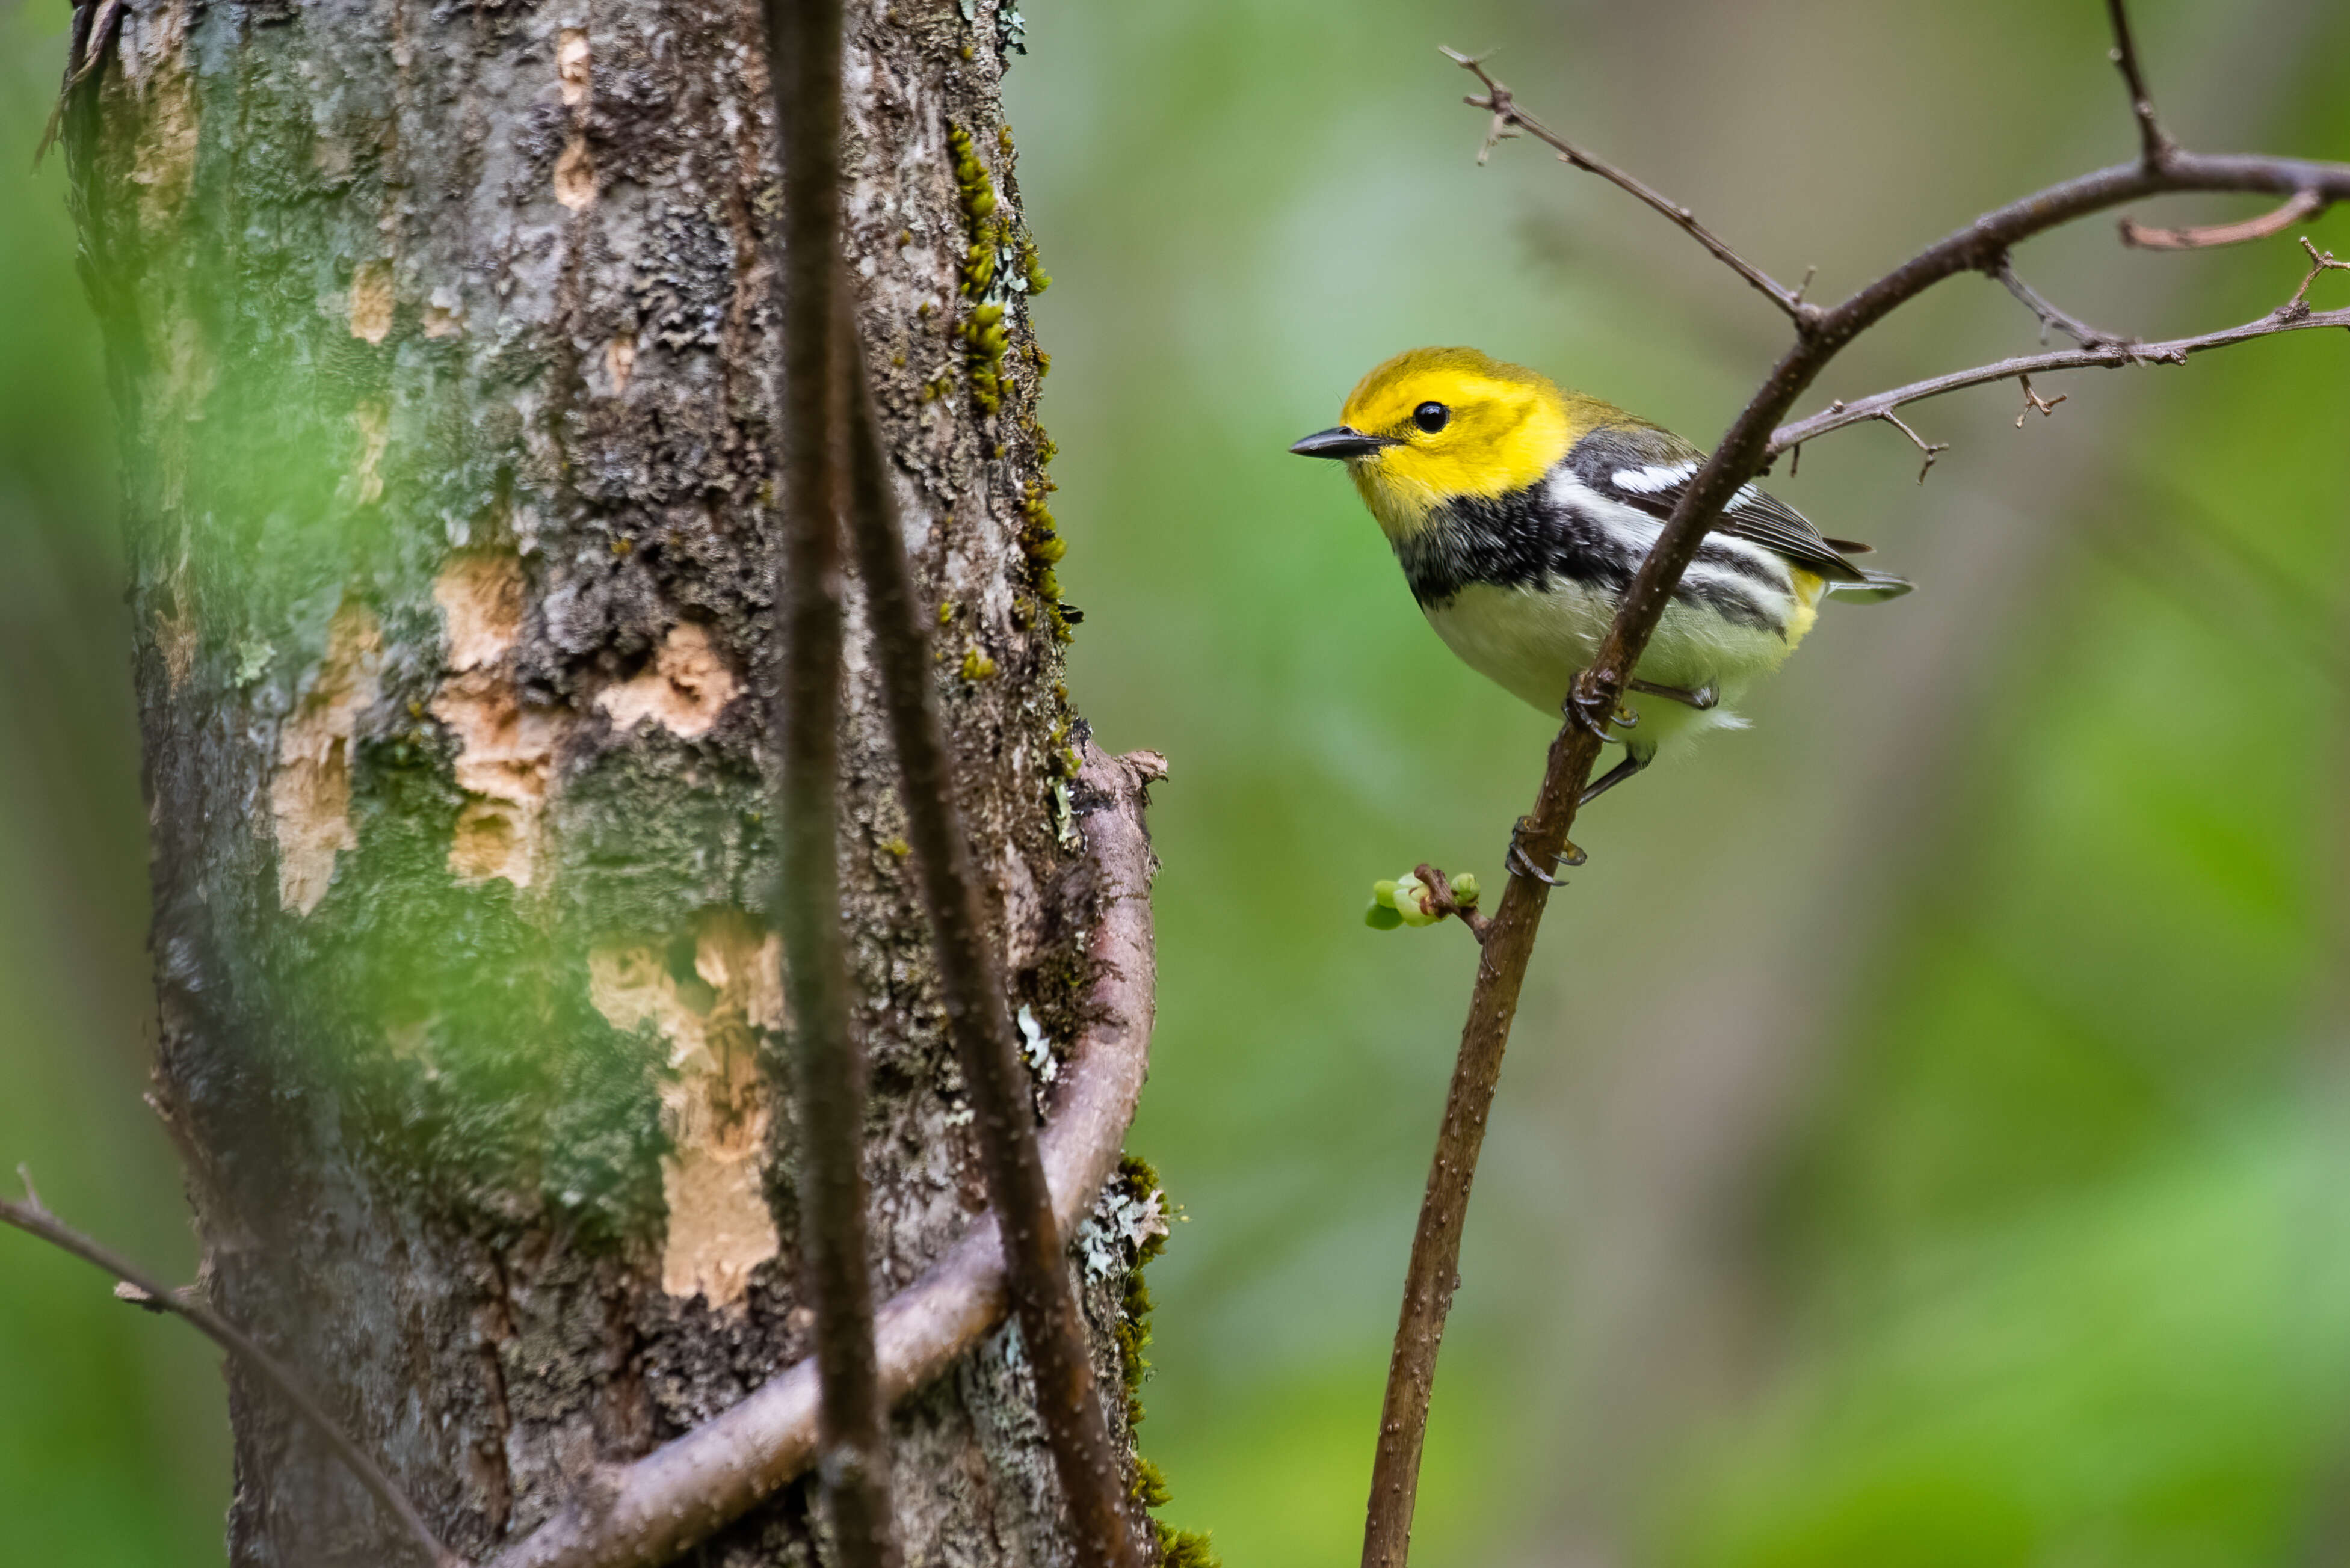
(1520, 514)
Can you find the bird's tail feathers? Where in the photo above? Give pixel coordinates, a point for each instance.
(1873, 587)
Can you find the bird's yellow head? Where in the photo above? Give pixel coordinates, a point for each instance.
(1434, 424)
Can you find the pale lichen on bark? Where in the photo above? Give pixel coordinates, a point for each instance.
(443, 340)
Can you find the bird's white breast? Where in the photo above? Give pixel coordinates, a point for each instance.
(1532, 641)
(1529, 641)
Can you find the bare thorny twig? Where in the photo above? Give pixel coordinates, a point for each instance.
(1506, 938)
(2293, 316)
(1509, 120)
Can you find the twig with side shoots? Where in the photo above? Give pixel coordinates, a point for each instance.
(804, 47)
(2293, 316)
(1509, 119)
(1821, 334)
(1929, 451)
(141, 1289)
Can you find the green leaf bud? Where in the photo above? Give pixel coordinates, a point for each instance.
(1410, 894)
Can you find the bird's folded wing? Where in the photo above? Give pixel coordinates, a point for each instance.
(1648, 468)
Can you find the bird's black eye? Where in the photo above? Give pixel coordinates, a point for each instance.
(1431, 417)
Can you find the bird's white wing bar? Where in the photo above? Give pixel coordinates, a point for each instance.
(1729, 562)
(1655, 479)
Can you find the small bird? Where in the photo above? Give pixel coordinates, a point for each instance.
(1520, 514)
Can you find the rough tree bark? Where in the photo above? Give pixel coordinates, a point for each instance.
(443, 340)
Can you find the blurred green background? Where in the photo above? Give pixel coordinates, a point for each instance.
(1926, 1137)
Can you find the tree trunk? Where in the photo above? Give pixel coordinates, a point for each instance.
(444, 342)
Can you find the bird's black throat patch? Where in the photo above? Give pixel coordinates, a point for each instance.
(1521, 540)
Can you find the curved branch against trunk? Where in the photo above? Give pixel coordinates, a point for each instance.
(679, 1494)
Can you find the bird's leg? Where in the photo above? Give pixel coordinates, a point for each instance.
(1517, 862)
(1588, 711)
(1624, 770)
(1703, 698)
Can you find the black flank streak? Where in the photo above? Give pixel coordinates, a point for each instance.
(1528, 540)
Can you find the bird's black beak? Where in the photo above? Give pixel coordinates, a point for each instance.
(1341, 442)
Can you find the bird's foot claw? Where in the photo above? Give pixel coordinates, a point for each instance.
(1517, 862)
(1589, 711)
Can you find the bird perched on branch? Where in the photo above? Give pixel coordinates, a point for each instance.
(1520, 514)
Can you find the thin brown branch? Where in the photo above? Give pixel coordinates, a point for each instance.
(2292, 316)
(804, 48)
(1509, 119)
(32, 1217)
(2153, 142)
(653, 1510)
(2301, 204)
(979, 1016)
(2048, 312)
(1432, 1275)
